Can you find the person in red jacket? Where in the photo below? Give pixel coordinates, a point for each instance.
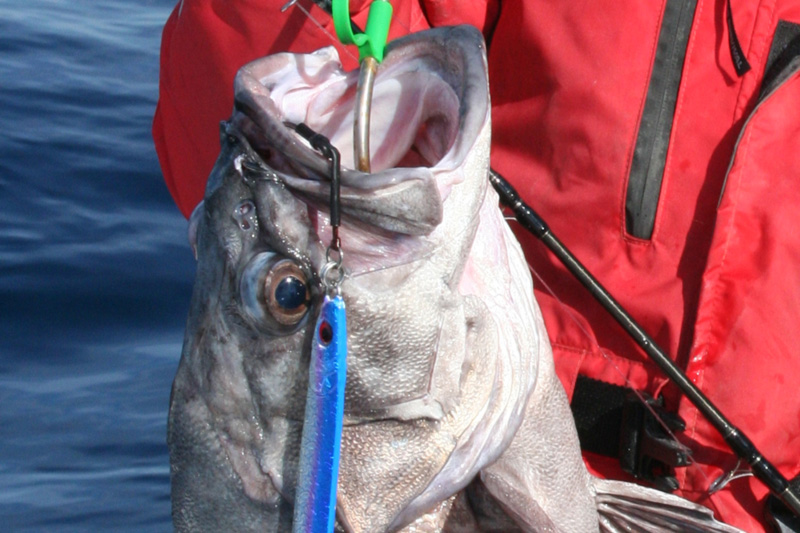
(660, 142)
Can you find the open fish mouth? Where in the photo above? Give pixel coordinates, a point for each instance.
(429, 105)
(415, 113)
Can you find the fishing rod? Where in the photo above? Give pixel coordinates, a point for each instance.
(742, 446)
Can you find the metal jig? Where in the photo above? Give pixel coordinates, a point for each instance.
(315, 506)
(315, 502)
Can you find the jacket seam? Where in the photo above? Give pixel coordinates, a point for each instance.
(715, 304)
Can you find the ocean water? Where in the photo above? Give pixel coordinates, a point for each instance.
(95, 269)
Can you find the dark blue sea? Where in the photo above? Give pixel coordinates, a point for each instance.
(95, 269)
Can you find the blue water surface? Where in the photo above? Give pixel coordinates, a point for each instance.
(95, 269)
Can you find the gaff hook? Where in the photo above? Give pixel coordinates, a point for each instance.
(363, 110)
(371, 45)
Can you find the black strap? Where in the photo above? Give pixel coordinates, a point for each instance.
(597, 409)
(737, 54)
(612, 421)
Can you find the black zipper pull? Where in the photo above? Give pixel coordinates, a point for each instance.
(740, 62)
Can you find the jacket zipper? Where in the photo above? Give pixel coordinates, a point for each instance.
(655, 126)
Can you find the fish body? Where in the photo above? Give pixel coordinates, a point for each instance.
(454, 419)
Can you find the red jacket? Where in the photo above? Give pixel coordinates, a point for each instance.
(708, 263)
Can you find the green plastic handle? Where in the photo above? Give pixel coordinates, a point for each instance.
(373, 41)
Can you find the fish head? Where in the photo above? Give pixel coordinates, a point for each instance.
(433, 391)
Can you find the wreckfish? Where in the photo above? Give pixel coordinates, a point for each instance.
(454, 419)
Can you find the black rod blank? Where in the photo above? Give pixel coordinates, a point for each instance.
(737, 441)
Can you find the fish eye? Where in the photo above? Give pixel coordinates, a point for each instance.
(275, 292)
(286, 293)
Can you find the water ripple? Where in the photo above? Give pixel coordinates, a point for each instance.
(95, 271)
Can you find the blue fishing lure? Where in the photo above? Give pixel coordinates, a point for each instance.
(315, 497)
(315, 500)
